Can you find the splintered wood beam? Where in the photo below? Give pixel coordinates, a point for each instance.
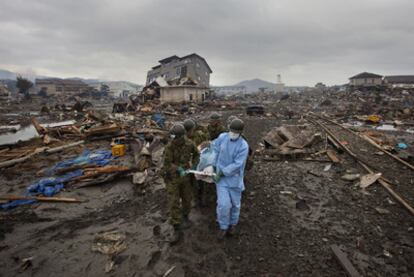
(344, 261)
(40, 198)
(331, 155)
(369, 140)
(384, 182)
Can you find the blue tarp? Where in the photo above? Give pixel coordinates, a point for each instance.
(45, 187)
(51, 185)
(402, 145)
(207, 158)
(159, 119)
(99, 157)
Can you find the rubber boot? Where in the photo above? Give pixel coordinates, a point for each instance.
(186, 223)
(233, 230)
(221, 235)
(176, 236)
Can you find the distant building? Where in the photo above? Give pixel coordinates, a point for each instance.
(279, 87)
(175, 68)
(366, 79)
(320, 86)
(402, 81)
(229, 89)
(55, 86)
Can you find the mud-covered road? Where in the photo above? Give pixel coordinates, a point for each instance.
(289, 219)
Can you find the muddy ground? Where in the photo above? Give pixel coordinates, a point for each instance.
(289, 219)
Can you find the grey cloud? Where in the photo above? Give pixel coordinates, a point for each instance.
(305, 41)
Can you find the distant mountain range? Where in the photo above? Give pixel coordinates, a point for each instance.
(118, 86)
(115, 86)
(5, 74)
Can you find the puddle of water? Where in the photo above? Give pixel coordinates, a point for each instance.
(386, 127)
(17, 127)
(28, 132)
(18, 114)
(56, 124)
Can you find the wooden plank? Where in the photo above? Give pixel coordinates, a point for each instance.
(39, 128)
(331, 155)
(384, 182)
(370, 141)
(38, 151)
(373, 143)
(40, 198)
(344, 261)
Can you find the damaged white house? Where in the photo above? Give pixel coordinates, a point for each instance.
(183, 79)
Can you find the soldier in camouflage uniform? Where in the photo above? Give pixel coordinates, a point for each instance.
(215, 128)
(198, 137)
(180, 154)
(195, 134)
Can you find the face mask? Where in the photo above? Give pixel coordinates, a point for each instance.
(234, 136)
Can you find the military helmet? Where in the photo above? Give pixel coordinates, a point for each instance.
(189, 124)
(177, 130)
(237, 125)
(230, 119)
(215, 116)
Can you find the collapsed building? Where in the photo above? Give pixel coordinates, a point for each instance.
(175, 80)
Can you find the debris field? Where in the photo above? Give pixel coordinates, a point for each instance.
(330, 192)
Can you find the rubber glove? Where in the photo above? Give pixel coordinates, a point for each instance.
(181, 171)
(217, 176)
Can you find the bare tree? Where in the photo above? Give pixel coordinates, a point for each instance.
(23, 85)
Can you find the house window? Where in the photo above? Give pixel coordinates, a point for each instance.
(178, 71)
(365, 81)
(191, 97)
(183, 72)
(199, 78)
(198, 65)
(59, 89)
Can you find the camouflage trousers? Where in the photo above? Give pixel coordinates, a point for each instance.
(180, 195)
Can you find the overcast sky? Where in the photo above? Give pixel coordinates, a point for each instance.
(306, 41)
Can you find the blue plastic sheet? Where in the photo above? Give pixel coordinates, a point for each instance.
(159, 119)
(45, 187)
(402, 145)
(16, 203)
(99, 157)
(51, 185)
(207, 158)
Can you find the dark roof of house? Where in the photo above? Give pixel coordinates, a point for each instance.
(365, 75)
(400, 79)
(167, 60)
(196, 55)
(56, 81)
(175, 57)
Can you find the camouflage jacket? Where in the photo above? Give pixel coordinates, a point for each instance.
(215, 130)
(185, 155)
(198, 137)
